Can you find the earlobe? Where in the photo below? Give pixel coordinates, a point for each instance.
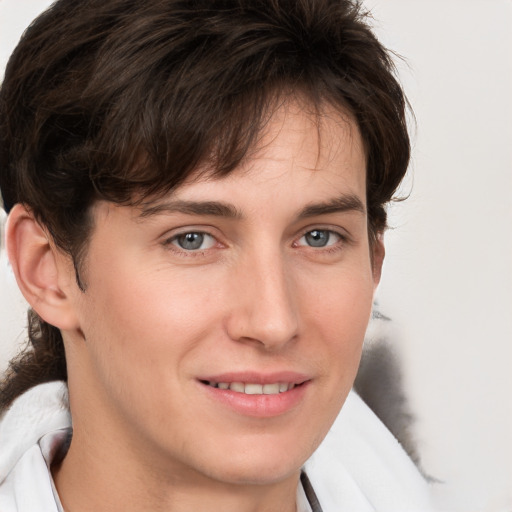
(40, 271)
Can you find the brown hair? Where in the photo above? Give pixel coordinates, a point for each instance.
(117, 99)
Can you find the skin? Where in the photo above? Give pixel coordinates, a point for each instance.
(256, 296)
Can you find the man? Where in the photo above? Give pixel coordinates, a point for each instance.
(197, 200)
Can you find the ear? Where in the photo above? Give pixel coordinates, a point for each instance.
(378, 253)
(43, 273)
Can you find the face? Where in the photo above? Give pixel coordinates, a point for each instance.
(223, 323)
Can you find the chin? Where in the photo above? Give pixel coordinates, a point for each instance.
(266, 462)
(256, 474)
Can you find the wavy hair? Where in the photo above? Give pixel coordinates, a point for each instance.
(122, 99)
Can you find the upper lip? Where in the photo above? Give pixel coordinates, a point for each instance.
(253, 377)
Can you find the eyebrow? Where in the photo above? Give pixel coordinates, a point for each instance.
(343, 203)
(213, 208)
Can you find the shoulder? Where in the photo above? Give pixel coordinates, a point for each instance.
(361, 466)
(41, 410)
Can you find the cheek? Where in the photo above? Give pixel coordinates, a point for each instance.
(338, 315)
(342, 300)
(335, 317)
(143, 333)
(153, 321)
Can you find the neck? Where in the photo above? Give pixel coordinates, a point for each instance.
(113, 464)
(109, 481)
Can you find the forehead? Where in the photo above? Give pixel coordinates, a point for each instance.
(303, 156)
(311, 136)
(297, 140)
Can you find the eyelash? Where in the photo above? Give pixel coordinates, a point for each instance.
(331, 247)
(169, 243)
(343, 239)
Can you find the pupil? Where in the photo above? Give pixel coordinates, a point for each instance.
(191, 241)
(317, 238)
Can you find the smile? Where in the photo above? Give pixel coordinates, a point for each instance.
(250, 388)
(255, 394)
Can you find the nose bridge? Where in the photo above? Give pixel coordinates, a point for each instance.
(265, 309)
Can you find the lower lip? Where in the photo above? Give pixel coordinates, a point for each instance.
(258, 406)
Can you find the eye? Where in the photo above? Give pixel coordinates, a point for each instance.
(193, 241)
(319, 238)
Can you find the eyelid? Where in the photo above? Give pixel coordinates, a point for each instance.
(171, 235)
(205, 237)
(191, 228)
(336, 230)
(329, 244)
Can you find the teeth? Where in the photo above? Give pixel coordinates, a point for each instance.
(253, 389)
(270, 389)
(250, 388)
(239, 387)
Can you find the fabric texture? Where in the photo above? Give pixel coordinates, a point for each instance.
(359, 466)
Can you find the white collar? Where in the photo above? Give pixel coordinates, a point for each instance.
(359, 466)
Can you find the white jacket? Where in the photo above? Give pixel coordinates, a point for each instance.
(359, 466)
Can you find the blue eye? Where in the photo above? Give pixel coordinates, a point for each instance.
(320, 238)
(193, 241)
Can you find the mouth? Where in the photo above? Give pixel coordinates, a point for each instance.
(255, 394)
(253, 388)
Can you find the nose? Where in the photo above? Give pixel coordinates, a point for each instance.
(263, 306)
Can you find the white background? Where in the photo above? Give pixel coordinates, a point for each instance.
(448, 275)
